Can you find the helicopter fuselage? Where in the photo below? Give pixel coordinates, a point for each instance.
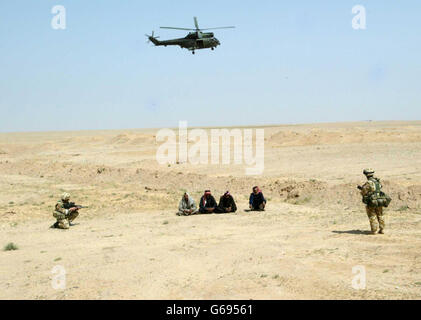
(194, 40)
(190, 42)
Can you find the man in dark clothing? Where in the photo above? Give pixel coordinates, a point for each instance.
(226, 204)
(207, 203)
(257, 200)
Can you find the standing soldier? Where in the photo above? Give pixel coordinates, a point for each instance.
(375, 200)
(65, 212)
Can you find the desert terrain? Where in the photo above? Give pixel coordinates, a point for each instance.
(129, 243)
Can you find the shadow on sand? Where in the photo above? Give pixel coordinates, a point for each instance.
(367, 233)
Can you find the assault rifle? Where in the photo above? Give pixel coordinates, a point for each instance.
(73, 205)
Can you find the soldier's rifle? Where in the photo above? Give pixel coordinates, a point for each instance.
(73, 205)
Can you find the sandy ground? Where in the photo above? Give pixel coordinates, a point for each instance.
(130, 244)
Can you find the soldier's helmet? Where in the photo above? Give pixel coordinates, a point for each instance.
(65, 196)
(368, 172)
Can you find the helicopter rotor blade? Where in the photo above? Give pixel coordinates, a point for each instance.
(174, 28)
(147, 36)
(231, 27)
(196, 24)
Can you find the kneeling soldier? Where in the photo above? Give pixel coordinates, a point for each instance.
(65, 212)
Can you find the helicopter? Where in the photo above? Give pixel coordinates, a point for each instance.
(196, 39)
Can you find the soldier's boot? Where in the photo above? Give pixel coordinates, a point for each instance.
(63, 224)
(381, 231)
(55, 225)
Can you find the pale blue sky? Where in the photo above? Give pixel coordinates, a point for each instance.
(286, 62)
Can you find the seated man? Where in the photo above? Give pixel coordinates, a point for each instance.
(207, 203)
(187, 206)
(65, 212)
(226, 204)
(257, 200)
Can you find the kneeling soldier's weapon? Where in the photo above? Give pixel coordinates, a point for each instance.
(73, 205)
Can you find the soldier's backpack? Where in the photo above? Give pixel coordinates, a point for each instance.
(377, 198)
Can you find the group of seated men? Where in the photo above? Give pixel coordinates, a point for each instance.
(207, 204)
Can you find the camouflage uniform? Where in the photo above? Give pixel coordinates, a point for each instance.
(375, 214)
(62, 214)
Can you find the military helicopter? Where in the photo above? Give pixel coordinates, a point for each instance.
(194, 40)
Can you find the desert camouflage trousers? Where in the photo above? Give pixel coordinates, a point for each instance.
(63, 222)
(376, 218)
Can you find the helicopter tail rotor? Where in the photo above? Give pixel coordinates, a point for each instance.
(152, 38)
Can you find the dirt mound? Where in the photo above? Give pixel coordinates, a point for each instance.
(119, 139)
(354, 135)
(131, 139)
(344, 195)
